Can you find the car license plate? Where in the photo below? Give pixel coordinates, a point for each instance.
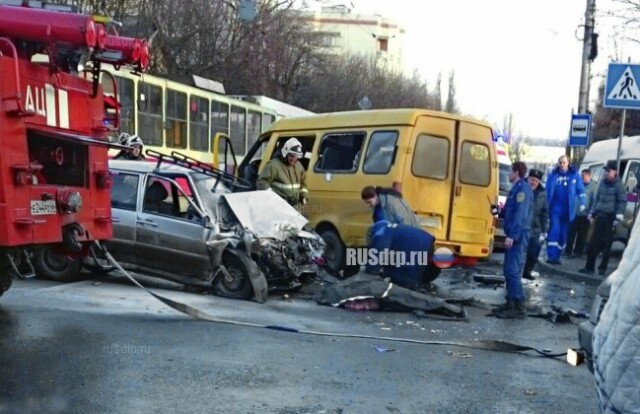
(499, 232)
(41, 207)
(432, 221)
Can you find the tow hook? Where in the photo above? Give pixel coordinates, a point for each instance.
(70, 233)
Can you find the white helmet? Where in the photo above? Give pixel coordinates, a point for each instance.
(135, 141)
(293, 147)
(130, 140)
(123, 138)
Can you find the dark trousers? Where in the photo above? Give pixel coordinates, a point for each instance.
(600, 241)
(577, 235)
(513, 265)
(533, 251)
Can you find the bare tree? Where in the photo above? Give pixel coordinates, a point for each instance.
(452, 106)
(518, 147)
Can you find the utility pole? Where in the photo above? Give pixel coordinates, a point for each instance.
(589, 53)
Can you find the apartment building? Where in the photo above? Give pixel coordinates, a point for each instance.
(338, 30)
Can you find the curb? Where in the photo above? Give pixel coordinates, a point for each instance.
(580, 277)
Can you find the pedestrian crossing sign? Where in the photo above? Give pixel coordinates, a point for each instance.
(622, 89)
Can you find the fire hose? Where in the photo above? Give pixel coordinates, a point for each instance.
(489, 345)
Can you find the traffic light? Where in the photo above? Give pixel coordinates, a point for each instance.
(594, 46)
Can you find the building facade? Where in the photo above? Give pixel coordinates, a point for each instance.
(339, 31)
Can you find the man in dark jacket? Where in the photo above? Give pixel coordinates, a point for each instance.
(564, 187)
(389, 205)
(517, 226)
(607, 212)
(539, 222)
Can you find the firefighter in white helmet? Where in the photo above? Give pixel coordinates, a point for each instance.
(286, 176)
(135, 145)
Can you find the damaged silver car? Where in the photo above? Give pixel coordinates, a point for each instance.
(183, 223)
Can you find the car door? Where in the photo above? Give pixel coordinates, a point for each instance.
(169, 239)
(475, 186)
(429, 173)
(124, 204)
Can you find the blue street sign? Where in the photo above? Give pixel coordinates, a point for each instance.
(580, 130)
(622, 90)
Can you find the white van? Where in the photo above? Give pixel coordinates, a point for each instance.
(603, 151)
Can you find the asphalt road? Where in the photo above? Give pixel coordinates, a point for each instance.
(107, 346)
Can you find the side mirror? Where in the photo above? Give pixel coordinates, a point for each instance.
(206, 222)
(495, 210)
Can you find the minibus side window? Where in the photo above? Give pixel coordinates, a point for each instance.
(431, 157)
(475, 164)
(380, 152)
(633, 173)
(340, 152)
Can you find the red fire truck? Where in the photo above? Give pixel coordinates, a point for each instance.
(55, 125)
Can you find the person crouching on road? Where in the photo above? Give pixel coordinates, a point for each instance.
(135, 145)
(607, 212)
(413, 244)
(564, 186)
(517, 227)
(388, 204)
(539, 222)
(286, 176)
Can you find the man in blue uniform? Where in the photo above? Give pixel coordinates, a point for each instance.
(415, 245)
(564, 186)
(517, 226)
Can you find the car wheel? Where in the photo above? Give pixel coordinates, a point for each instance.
(6, 274)
(335, 255)
(53, 266)
(236, 284)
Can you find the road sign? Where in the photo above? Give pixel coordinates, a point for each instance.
(622, 89)
(580, 130)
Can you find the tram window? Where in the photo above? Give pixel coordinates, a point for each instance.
(267, 120)
(176, 119)
(199, 123)
(150, 113)
(219, 118)
(254, 123)
(126, 96)
(238, 129)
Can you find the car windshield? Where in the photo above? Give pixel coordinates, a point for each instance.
(505, 185)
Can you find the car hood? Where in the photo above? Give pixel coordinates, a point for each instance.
(265, 214)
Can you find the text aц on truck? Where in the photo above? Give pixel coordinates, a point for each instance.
(54, 134)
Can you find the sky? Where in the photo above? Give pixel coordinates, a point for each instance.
(509, 56)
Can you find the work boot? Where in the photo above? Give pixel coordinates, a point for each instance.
(504, 307)
(528, 276)
(518, 310)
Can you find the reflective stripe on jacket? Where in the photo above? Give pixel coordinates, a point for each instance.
(289, 182)
(576, 189)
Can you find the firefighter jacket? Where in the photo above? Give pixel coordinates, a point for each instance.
(288, 181)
